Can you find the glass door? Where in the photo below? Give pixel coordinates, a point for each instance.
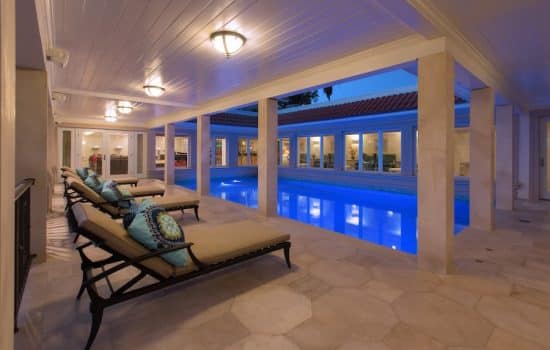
(91, 153)
(544, 158)
(117, 154)
(65, 148)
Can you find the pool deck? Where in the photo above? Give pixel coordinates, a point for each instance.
(342, 293)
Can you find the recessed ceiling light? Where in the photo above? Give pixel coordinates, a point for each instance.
(227, 42)
(124, 107)
(153, 90)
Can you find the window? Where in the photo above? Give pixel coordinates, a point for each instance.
(220, 152)
(462, 152)
(160, 151)
(247, 152)
(181, 152)
(283, 152)
(316, 152)
(370, 152)
(352, 150)
(302, 152)
(328, 152)
(392, 152)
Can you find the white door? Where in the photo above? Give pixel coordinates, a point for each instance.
(90, 150)
(544, 159)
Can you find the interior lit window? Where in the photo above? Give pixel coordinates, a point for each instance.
(370, 152)
(302, 152)
(160, 151)
(242, 154)
(462, 152)
(66, 148)
(392, 152)
(328, 152)
(220, 152)
(315, 152)
(181, 152)
(247, 152)
(352, 152)
(283, 152)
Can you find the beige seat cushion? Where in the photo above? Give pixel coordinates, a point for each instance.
(118, 239)
(130, 180)
(219, 243)
(146, 190)
(87, 193)
(175, 201)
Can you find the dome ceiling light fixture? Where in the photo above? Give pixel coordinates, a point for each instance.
(227, 42)
(153, 90)
(111, 116)
(124, 107)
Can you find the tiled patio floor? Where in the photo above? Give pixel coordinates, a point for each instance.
(340, 294)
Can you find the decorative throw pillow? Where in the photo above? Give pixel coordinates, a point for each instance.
(82, 172)
(154, 228)
(94, 182)
(134, 209)
(112, 193)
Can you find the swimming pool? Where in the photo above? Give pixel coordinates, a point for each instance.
(385, 218)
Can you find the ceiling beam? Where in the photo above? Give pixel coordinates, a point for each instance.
(390, 54)
(424, 17)
(117, 97)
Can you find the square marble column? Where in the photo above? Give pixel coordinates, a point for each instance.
(435, 162)
(7, 171)
(267, 157)
(482, 159)
(505, 157)
(203, 155)
(169, 161)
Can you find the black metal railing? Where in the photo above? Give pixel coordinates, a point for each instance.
(23, 256)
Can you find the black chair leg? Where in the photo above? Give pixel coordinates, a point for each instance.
(287, 256)
(97, 316)
(196, 209)
(82, 287)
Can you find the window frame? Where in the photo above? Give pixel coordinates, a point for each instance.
(380, 151)
(248, 152)
(213, 152)
(321, 136)
(189, 158)
(280, 148)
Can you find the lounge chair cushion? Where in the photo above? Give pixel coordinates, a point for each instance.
(111, 192)
(155, 229)
(146, 190)
(83, 173)
(116, 237)
(94, 182)
(176, 201)
(90, 195)
(130, 180)
(219, 243)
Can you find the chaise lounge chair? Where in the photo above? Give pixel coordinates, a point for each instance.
(137, 191)
(209, 249)
(171, 202)
(127, 180)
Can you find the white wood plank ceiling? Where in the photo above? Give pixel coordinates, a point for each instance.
(115, 45)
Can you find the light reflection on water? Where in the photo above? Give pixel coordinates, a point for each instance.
(380, 217)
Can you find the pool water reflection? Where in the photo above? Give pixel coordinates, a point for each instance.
(385, 218)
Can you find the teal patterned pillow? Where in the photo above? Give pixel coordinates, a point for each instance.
(112, 193)
(94, 182)
(82, 172)
(155, 229)
(134, 209)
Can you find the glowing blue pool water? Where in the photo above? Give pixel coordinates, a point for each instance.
(385, 218)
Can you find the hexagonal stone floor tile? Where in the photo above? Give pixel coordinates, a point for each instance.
(443, 319)
(340, 273)
(406, 279)
(356, 312)
(264, 342)
(272, 309)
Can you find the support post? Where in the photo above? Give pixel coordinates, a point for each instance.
(169, 166)
(505, 157)
(482, 159)
(203, 155)
(7, 171)
(267, 157)
(435, 162)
